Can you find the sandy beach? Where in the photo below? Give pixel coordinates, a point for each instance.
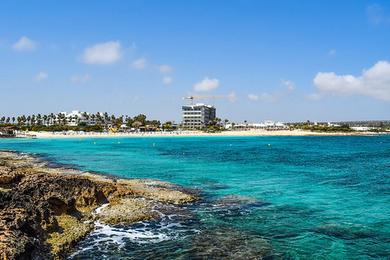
(252, 132)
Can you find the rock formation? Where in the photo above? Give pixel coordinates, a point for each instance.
(45, 211)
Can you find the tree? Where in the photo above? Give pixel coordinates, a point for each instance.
(140, 118)
(136, 124)
(167, 126)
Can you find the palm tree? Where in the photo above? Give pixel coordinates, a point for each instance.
(39, 119)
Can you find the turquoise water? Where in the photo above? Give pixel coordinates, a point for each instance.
(309, 197)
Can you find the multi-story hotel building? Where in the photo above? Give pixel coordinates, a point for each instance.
(197, 116)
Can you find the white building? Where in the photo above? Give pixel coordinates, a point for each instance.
(72, 119)
(198, 115)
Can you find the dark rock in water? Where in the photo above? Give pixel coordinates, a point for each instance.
(350, 232)
(212, 184)
(228, 243)
(236, 200)
(233, 206)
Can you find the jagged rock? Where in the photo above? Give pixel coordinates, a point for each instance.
(48, 209)
(127, 210)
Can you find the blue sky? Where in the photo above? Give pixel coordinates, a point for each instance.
(280, 60)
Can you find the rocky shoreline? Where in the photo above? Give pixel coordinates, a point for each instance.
(46, 211)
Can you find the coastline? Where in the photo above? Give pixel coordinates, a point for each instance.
(242, 133)
(68, 204)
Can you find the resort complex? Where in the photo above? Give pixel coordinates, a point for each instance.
(196, 119)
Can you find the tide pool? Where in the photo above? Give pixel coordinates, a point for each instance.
(309, 197)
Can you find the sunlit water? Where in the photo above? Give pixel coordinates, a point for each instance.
(300, 197)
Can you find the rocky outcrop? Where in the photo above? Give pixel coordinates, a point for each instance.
(45, 211)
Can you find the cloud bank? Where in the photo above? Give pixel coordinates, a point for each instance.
(374, 82)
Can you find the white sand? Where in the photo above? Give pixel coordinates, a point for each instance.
(252, 132)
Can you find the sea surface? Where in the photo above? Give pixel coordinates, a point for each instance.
(277, 197)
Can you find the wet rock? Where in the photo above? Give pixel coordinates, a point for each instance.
(48, 210)
(126, 211)
(72, 231)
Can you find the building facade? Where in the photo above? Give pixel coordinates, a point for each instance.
(197, 116)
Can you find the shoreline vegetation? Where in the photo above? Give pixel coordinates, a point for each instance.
(46, 210)
(83, 124)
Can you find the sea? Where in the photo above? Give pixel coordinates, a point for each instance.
(290, 197)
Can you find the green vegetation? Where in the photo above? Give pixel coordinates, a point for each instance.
(85, 122)
(214, 126)
(323, 128)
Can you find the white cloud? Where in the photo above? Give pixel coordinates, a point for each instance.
(41, 76)
(253, 97)
(374, 82)
(80, 78)
(167, 80)
(103, 53)
(24, 44)
(165, 68)
(206, 84)
(139, 64)
(289, 84)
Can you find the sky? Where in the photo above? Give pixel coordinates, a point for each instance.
(254, 60)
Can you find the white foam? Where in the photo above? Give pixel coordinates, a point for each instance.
(140, 233)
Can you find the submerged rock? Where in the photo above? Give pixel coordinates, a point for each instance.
(346, 232)
(46, 210)
(236, 200)
(228, 243)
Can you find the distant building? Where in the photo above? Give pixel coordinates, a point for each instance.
(197, 116)
(267, 125)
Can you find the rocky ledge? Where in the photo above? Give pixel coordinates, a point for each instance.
(46, 210)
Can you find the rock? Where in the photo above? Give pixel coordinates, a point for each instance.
(48, 210)
(8, 176)
(72, 231)
(126, 211)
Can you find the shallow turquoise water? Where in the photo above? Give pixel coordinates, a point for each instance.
(316, 197)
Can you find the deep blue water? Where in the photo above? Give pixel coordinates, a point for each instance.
(304, 197)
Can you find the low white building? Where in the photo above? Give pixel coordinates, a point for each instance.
(267, 125)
